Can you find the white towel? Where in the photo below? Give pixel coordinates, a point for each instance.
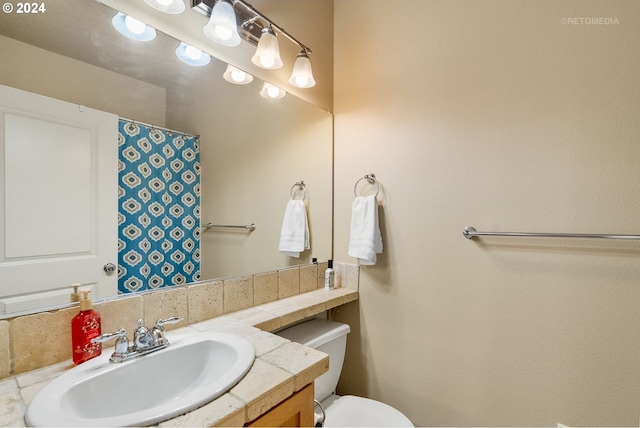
(365, 240)
(294, 235)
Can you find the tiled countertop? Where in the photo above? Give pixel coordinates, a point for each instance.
(280, 369)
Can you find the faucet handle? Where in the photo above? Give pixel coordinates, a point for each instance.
(157, 332)
(171, 320)
(122, 343)
(105, 337)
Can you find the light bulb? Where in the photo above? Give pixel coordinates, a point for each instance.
(193, 53)
(268, 51)
(172, 7)
(302, 81)
(135, 26)
(267, 61)
(273, 91)
(222, 27)
(238, 76)
(192, 56)
(132, 28)
(223, 33)
(302, 75)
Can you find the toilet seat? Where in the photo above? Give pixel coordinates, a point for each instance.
(352, 411)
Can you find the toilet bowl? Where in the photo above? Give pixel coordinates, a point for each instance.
(330, 337)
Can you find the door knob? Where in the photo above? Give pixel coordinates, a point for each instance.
(109, 268)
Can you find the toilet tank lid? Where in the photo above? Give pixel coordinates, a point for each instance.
(315, 332)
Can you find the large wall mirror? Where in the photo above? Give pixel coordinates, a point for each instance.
(252, 150)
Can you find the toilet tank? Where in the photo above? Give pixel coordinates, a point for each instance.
(326, 336)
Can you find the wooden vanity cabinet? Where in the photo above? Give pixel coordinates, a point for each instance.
(295, 411)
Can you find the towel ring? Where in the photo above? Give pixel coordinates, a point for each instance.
(301, 186)
(371, 179)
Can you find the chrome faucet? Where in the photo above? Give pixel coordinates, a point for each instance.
(145, 341)
(142, 337)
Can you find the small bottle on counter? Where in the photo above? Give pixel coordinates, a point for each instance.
(329, 276)
(84, 327)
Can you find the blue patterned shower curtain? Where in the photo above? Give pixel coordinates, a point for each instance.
(159, 208)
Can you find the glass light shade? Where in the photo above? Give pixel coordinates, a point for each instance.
(173, 7)
(237, 76)
(132, 28)
(268, 51)
(272, 92)
(192, 56)
(222, 27)
(302, 76)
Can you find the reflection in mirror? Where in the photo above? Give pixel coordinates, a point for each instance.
(252, 150)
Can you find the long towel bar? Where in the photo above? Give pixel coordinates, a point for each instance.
(470, 232)
(250, 227)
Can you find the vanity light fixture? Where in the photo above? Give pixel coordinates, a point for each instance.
(192, 56)
(272, 92)
(173, 7)
(257, 29)
(268, 52)
(132, 28)
(236, 76)
(302, 76)
(222, 27)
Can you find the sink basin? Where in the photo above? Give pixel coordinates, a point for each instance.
(192, 371)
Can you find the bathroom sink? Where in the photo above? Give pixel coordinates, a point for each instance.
(192, 371)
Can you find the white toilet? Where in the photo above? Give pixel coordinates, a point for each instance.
(330, 337)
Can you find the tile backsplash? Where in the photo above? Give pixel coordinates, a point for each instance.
(32, 341)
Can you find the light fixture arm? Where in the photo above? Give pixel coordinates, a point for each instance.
(271, 23)
(250, 21)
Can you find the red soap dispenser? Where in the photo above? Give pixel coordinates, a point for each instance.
(84, 327)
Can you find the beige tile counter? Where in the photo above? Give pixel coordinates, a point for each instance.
(280, 369)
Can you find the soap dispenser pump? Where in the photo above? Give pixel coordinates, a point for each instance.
(75, 296)
(84, 327)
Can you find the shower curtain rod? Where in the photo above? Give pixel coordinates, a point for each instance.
(162, 128)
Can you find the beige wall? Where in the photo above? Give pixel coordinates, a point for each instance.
(36, 70)
(252, 151)
(498, 115)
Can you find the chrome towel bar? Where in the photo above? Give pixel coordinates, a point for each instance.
(250, 227)
(470, 233)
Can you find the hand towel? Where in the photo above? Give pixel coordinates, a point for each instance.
(294, 235)
(365, 240)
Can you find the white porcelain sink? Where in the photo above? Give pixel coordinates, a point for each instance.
(189, 373)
